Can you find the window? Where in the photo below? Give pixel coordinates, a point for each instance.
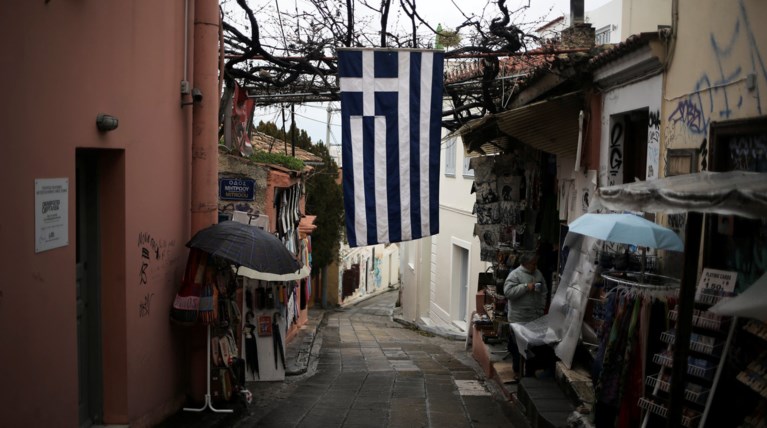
(467, 172)
(602, 35)
(681, 161)
(450, 156)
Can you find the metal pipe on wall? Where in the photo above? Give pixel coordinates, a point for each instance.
(205, 115)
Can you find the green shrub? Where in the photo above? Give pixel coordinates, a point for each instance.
(277, 159)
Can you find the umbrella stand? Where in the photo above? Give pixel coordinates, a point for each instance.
(208, 401)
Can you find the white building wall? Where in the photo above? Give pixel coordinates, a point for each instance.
(408, 284)
(436, 299)
(394, 266)
(608, 17)
(456, 229)
(627, 17)
(640, 16)
(643, 94)
(415, 263)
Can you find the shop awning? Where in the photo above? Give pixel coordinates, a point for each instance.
(550, 126)
(738, 193)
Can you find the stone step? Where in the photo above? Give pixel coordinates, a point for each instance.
(544, 402)
(576, 384)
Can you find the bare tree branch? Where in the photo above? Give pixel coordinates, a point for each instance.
(288, 57)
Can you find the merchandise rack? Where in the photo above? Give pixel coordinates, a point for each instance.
(757, 328)
(715, 322)
(701, 372)
(754, 381)
(710, 299)
(694, 397)
(713, 349)
(687, 421)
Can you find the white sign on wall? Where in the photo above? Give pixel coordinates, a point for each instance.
(51, 213)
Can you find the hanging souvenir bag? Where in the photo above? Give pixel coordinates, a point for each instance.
(209, 296)
(184, 310)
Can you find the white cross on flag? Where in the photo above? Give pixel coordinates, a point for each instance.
(391, 113)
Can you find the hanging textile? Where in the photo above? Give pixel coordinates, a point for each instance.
(251, 346)
(290, 318)
(633, 319)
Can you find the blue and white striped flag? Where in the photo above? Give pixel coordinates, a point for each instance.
(391, 113)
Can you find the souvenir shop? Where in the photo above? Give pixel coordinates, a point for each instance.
(628, 311)
(689, 352)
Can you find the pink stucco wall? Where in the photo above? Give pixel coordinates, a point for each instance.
(63, 63)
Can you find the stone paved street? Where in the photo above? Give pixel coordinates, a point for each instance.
(373, 372)
(369, 371)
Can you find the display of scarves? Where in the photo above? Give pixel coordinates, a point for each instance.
(291, 309)
(295, 301)
(609, 312)
(610, 382)
(632, 326)
(633, 382)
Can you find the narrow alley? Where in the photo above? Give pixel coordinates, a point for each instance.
(366, 370)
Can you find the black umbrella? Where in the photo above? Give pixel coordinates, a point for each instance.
(245, 245)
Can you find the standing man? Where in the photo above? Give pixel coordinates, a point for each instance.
(525, 291)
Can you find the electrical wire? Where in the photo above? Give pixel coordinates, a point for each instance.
(317, 120)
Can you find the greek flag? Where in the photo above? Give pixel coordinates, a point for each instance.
(391, 112)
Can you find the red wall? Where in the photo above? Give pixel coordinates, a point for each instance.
(63, 63)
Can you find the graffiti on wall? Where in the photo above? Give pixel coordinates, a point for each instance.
(377, 262)
(749, 259)
(144, 305)
(239, 206)
(653, 144)
(155, 265)
(151, 252)
(677, 222)
(737, 57)
(748, 152)
(689, 115)
(615, 153)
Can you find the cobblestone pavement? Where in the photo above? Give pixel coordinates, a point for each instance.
(366, 370)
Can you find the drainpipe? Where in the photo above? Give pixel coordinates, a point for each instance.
(205, 115)
(204, 206)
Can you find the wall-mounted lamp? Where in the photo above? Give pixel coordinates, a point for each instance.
(105, 122)
(196, 97)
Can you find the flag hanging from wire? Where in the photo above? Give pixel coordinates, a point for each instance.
(391, 113)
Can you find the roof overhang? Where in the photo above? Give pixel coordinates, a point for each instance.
(550, 126)
(640, 63)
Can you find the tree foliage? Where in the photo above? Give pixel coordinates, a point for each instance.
(323, 195)
(302, 138)
(324, 199)
(275, 158)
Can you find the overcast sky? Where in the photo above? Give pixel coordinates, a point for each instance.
(449, 13)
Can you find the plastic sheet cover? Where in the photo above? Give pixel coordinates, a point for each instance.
(730, 193)
(752, 303)
(561, 327)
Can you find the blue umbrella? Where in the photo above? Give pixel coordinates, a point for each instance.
(627, 229)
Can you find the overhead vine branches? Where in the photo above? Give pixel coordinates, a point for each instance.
(287, 53)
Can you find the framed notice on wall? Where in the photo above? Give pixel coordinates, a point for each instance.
(51, 213)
